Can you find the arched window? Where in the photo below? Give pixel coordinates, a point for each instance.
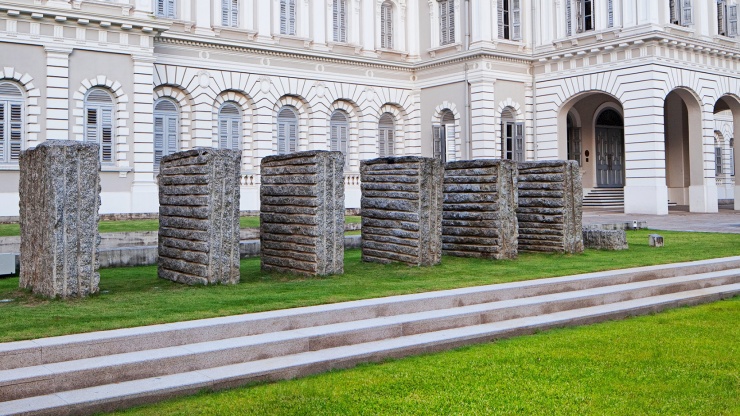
(610, 118)
(230, 13)
(443, 134)
(339, 133)
(166, 129)
(512, 136)
(340, 20)
(510, 19)
(574, 140)
(11, 122)
(166, 8)
(99, 122)
(386, 25)
(287, 17)
(386, 132)
(229, 126)
(446, 21)
(287, 139)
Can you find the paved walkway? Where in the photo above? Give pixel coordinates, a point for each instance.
(679, 219)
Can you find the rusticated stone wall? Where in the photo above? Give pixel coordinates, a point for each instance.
(199, 216)
(402, 210)
(59, 202)
(550, 207)
(302, 213)
(479, 212)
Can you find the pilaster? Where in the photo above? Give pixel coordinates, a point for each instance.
(483, 110)
(57, 93)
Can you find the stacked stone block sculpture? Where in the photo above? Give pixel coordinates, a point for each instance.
(59, 201)
(302, 213)
(479, 212)
(199, 216)
(402, 210)
(605, 239)
(550, 207)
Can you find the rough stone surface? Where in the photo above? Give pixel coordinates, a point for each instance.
(479, 211)
(550, 207)
(59, 201)
(302, 213)
(401, 210)
(605, 239)
(199, 216)
(655, 240)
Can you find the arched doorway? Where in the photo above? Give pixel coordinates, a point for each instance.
(727, 127)
(609, 149)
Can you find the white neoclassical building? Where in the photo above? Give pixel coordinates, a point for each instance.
(645, 94)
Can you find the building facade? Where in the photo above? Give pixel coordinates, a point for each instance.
(644, 94)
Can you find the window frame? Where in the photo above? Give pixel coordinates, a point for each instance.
(386, 135)
(339, 21)
(8, 100)
(288, 17)
(166, 9)
(339, 134)
(386, 25)
(170, 119)
(230, 13)
(510, 20)
(100, 124)
(231, 125)
(681, 12)
(447, 29)
(288, 143)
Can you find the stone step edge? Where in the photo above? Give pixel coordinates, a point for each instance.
(25, 353)
(302, 340)
(111, 397)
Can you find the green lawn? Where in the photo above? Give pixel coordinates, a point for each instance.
(680, 362)
(9, 230)
(135, 296)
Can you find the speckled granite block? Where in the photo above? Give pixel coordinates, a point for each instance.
(59, 202)
(479, 211)
(199, 216)
(302, 213)
(402, 210)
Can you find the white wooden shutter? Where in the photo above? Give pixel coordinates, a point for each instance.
(282, 138)
(291, 17)
(516, 20)
(284, 17)
(158, 139)
(223, 133)
(385, 135)
(732, 21)
(386, 26)
(674, 11)
(292, 137)
(721, 18)
(449, 143)
(579, 16)
(519, 142)
(234, 13)
(235, 134)
(501, 20)
(610, 13)
(340, 20)
(225, 12)
(3, 123)
(443, 33)
(91, 125)
(568, 18)
(106, 135)
(170, 12)
(451, 21)
(687, 13)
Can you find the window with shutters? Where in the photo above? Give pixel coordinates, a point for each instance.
(386, 134)
(386, 25)
(99, 109)
(732, 156)
(230, 13)
(288, 17)
(583, 13)
(339, 133)
(446, 21)
(166, 8)
(681, 12)
(512, 139)
(287, 130)
(166, 129)
(726, 19)
(574, 140)
(229, 126)
(509, 19)
(11, 122)
(339, 13)
(610, 13)
(718, 168)
(443, 133)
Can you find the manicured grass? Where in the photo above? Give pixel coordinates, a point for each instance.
(9, 230)
(135, 296)
(680, 362)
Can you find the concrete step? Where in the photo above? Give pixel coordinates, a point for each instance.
(81, 346)
(75, 374)
(109, 397)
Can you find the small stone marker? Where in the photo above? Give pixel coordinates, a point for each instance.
(302, 213)
(199, 216)
(402, 210)
(59, 200)
(550, 207)
(479, 211)
(655, 240)
(605, 239)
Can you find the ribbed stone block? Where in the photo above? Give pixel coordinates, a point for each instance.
(605, 239)
(59, 202)
(402, 210)
(302, 213)
(479, 212)
(550, 207)
(199, 216)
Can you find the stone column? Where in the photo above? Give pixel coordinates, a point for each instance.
(402, 210)
(199, 216)
(302, 213)
(479, 211)
(59, 202)
(550, 207)
(57, 93)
